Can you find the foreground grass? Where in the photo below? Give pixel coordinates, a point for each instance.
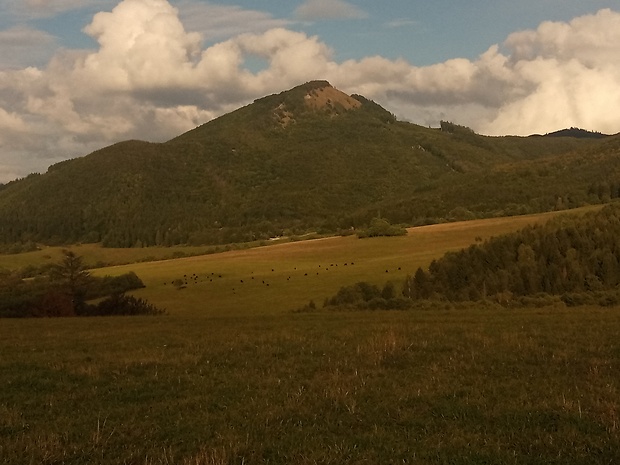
(426, 387)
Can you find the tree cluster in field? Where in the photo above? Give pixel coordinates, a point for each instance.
(381, 227)
(18, 247)
(363, 296)
(66, 290)
(572, 260)
(368, 296)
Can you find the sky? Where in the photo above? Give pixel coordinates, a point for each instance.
(79, 75)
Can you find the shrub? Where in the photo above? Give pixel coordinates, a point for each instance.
(357, 293)
(365, 296)
(575, 299)
(121, 304)
(108, 285)
(380, 227)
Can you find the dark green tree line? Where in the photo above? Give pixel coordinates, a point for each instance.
(569, 255)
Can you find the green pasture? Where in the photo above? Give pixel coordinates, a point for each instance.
(468, 386)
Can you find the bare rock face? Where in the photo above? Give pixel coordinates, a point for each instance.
(319, 97)
(330, 98)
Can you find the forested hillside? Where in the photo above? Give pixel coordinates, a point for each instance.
(308, 159)
(571, 257)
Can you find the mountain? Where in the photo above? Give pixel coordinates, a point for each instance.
(310, 158)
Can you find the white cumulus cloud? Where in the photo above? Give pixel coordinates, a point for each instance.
(142, 44)
(563, 74)
(151, 77)
(557, 76)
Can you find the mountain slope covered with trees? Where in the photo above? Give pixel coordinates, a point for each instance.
(311, 158)
(567, 257)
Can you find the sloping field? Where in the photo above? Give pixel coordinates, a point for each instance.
(279, 278)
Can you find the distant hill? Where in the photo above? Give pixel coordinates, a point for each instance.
(576, 132)
(308, 159)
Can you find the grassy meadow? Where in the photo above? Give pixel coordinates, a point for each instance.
(231, 376)
(280, 276)
(428, 387)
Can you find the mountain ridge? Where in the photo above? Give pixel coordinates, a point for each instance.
(307, 159)
(574, 132)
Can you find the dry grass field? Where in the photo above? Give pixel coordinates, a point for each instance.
(425, 387)
(280, 277)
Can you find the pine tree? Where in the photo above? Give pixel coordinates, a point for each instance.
(72, 276)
